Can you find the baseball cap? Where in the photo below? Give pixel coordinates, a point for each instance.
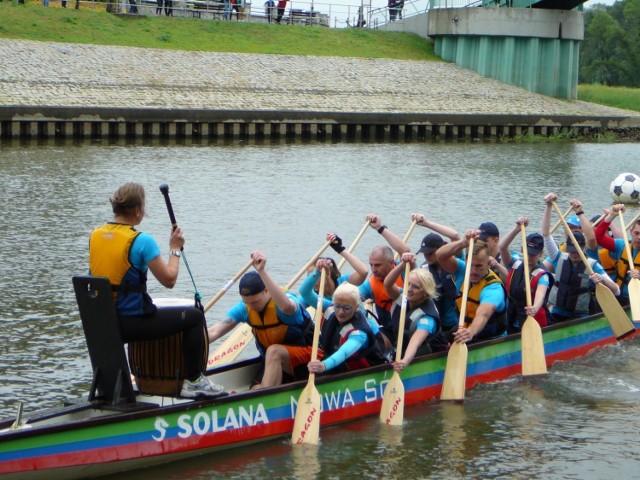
(535, 243)
(573, 220)
(251, 284)
(430, 243)
(488, 229)
(579, 239)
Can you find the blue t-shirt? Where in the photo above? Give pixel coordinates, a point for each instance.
(309, 297)
(143, 250)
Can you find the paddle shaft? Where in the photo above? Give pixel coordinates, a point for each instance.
(465, 285)
(634, 220)
(403, 313)
(559, 222)
(406, 237)
(307, 265)
(525, 259)
(353, 245)
(229, 284)
(633, 287)
(573, 239)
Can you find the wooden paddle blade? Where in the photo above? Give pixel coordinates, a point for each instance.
(392, 410)
(634, 298)
(306, 427)
(455, 374)
(618, 320)
(533, 359)
(231, 347)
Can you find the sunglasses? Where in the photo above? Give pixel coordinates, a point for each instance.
(344, 308)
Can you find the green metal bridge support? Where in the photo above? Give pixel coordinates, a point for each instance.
(537, 49)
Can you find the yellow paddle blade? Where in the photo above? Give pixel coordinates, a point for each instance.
(634, 299)
(392, 410)
(306, 426)
(231, 347)
(618, 320)
(455, 374)
(533, 360)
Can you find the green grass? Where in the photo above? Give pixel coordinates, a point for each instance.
(54, 24)
(620, 97)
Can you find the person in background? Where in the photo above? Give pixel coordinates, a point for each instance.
(269, 9)
(617, 250)
(349, 340)
(168, 8)
(572, 293)
(125, 255)
(310, 287)
(281, 326)
(282, 5)
(422, 330)
(159, 4)
(445, 286)
(381, 262)
(490, 234)
(486, 303)
(541, 280)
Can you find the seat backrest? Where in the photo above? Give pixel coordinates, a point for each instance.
(111, 377)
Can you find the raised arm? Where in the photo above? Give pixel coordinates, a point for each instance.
(283, 302)
(549, 243)
(505, 242)
(585, 224)
(444, 230)
(446, 254)
(360, 269)
(390, 280)
(392, 239)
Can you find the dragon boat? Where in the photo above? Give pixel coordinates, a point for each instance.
(89, 438)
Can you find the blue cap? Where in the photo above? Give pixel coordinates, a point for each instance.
(573, 220)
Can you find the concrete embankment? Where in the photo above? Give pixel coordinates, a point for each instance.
(69, 90)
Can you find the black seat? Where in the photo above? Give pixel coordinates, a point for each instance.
(111, 376)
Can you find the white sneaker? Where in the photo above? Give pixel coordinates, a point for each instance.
(201, 387)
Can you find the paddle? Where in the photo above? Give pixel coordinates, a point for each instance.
(407, 235)
(353, 245)
(533, 359)
(559, 222)
(634, 283)
(598, 220)
(229, 284)
(455, 372)
(306, 425)
(634, 220)
(392, 409)
(618, 320)
(311, 261)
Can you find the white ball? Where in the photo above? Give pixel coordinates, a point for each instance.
(625, 188)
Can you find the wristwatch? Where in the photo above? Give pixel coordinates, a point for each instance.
(175, 253)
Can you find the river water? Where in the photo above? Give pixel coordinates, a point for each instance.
(581, 421)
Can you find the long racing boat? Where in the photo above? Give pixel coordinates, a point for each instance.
(92, 438)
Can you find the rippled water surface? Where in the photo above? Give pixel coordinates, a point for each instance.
(580, 422)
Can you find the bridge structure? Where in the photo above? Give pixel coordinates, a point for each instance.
(534, 44)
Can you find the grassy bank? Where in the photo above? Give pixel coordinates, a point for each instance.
(620, 97)
(32, 21)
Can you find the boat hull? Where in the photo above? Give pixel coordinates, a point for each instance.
(100, 440)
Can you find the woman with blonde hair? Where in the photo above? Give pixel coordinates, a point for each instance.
(349, 340)
(422, 330)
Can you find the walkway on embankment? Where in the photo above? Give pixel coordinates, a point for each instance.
(49, 89)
